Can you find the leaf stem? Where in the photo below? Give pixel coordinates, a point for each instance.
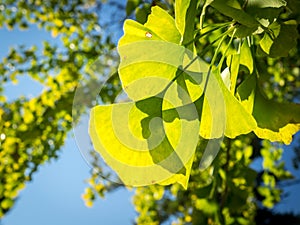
(215, 57)
(199, 35)
(224, 54)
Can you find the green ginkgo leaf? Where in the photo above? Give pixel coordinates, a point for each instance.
(222, 112)
(233, 62)
(185, 13)
(233, 9)
(246, 58)
(281, 39)
(275, 121)
(266, 3)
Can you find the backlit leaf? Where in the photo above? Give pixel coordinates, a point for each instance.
(185, 12)
(285, 38)
(246, 58)
(235, 12)
(144, 144)
(222, 111)
(152, 139)
(275, 121)
(266, 3)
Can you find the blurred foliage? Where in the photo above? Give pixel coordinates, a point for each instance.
(33, 130)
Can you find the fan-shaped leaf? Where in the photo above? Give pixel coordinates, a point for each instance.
(275, 121)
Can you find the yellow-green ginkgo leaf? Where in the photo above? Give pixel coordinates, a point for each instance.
(278, 124)
(185, 12)
(144, 144)
(153, 64)
(275, 121)
(153, 29)
(246, 58)
(150, 51)
(222, 114)
(153, 138)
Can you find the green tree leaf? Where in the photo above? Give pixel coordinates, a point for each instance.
(141, 13)
(266, 3)
(148, 51)
(280, 124)
(185, 12)
(147, 136)
(246, 57)
(281, 40)
(275, 121)
(222, 111)
(234, 10)
(181, 8)
(233, 62)
(131, 6)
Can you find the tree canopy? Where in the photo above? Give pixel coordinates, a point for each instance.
(219, 79)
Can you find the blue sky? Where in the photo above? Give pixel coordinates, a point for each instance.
(54, 197)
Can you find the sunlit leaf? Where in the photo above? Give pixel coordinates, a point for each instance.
(234, 10)
(181, 8)
(233, 62)
(266, 3)
(143, 144)
(246, 57)
(280, 123)
(275, 121)
(222, 111)
(152, 29)
(226, 77)
(148, 54)
(281, 40)
(149, 140)
(185, 12)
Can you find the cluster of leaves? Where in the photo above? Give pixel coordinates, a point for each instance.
(33, 130)
(256, 30)
(244, 38)
(222, 194)
(228, 192)
(244, 41)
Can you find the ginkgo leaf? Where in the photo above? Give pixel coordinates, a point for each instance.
(234, 10)
(152, 139)
(246, 93)
(148, 63)
(226, 77)
(222, 112)
(131, 6)
(233, 62)
(152, 29)
(275, 121)
(145, 144)
(285, 38)
(153, 62)
(246, 58)
(278, 125)
(266, 3)
(185, 12)
(181, 7)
